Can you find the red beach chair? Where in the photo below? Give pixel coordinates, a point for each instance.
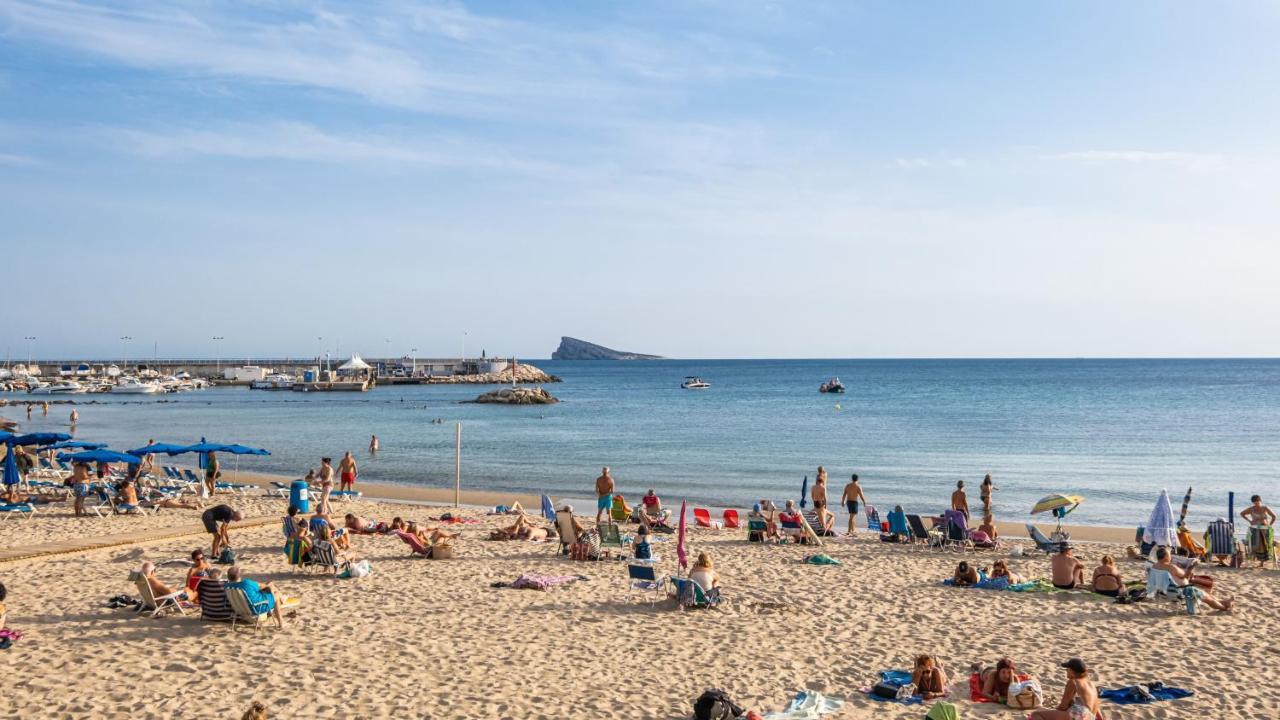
(731, 519)
(702, 517)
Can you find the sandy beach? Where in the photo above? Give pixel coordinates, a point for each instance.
(432, 638)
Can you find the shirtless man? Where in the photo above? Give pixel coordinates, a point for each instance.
(75, 417)
(604, 496)
(1258, 516)
(1068, 572)
(1182, 577)
(850, 498)
(960, 501)
(347, 468)
(79, 482)
(1079, 699)
(326, 482)
(373, 444)
(819, 492)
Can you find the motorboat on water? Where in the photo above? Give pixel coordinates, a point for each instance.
(832, 386)
(134, 386)
(277, 381)
(695, 383)
(113, 371)
(62, 387)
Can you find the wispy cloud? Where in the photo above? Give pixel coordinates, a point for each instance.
(1190, 160)
(15, 160)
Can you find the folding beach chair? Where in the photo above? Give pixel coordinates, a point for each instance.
(702, 517)
(620, 512)
(756, 530)
(155, 605)
(609, 535)
(564, 528)
(1043, 544)
(416, 545)
(874, 523)
(731, 519)
(957, 531)
(689, 594)
(189, 475)
(645, 579)
(243, 612)
(1187, 544)
(1220, 539)
(104, 502)
(921, 534)
(1160, 585)
(214, 606)
(898, 524)
(323, 557)
(793, 528)
(815, 522)
(278, 489)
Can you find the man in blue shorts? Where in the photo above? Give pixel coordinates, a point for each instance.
(604, 496)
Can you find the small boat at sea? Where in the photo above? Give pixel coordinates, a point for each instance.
(274, 382)
(695, 383)
(832, 386)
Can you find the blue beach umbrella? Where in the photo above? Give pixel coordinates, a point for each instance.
(40, 438)
(804, 492)
(1160, 528)
(548, 510)
(158, 448)
(81, 444)
(11, 475)
(95, 456)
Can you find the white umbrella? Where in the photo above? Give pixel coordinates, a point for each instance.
(1160, 528)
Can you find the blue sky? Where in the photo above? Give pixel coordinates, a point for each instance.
(708, 178)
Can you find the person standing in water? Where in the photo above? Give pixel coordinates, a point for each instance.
(985, 493)
(852, 498)
(960, 501)
(373, 444)
(75, 417)
(44, 408)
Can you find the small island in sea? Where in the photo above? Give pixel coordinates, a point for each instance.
(575, 349)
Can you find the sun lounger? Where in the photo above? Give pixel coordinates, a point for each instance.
(1220, 539)
(415, 544)
(619, 511)
(874, 523)
(689, 594)
(324, 557)
(919, 533)
(151, 603)
(702, 517)
(815, 522)
(243, 612)
(104, 502)
(1043, 544)
(345, 494)
(278, 489)
(19, 509)
(189, 475)
(731, 519)
(645, 579)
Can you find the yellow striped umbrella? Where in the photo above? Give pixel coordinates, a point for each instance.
(1067, 503)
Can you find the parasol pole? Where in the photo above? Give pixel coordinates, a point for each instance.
(457, 464)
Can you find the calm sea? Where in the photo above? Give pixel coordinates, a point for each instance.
(1115, 431)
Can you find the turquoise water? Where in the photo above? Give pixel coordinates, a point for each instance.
(1116, 431)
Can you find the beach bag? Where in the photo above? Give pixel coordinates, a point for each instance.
(358, 569)
(1025, 695)
(715, 705)
(226, 557)
(442, 552)
(888, 691)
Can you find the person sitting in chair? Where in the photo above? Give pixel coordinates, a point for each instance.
(770, 527)
(640, 547)
(158, 588)
(651, 512)
(1181, 578)
(263, 598)
(704, 572)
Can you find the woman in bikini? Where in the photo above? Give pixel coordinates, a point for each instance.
(1000, 569)
(929, 678)
(996, 680)
(1106, 579)
(1079, 699)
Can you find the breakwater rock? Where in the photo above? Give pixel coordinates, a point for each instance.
(524, 374)
(518, 396)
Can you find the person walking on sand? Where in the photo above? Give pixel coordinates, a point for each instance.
(852, 498)
(212, 471)
(326, 482)
(960, 501)
(604, 496)
(347, 471)
(985, 493)
(373, 444)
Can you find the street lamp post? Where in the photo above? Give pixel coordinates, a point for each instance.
(124, 348)
(415, 361)
(319, 349)
(217, 352)
(30, 339)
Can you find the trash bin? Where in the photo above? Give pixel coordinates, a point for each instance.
(300, 496)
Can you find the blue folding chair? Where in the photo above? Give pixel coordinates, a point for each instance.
(645, 579)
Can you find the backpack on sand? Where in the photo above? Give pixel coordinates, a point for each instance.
(715, 705)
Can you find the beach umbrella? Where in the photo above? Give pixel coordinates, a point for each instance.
(548, 510)
(804, 491)
(158, 448)
(682, 554)
(81, 444)
(1159, 529)
(95, 456)
(40, 438)
(1058, 504)
(1182, 516)
(11, 474)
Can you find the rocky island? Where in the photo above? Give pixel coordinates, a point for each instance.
(524, 373)
(518, 396)
(575, 349)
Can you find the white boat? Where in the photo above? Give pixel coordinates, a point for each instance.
(113, 370)
(62, 387)
(134, 386)
(274, 382)
(695, 383)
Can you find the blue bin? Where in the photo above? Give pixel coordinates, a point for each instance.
(299, 496)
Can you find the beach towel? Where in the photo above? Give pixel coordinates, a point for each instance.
(896, 678)
(534, 581)
(1143, 694)
(942, 711)
(820, 559)
(1038, 585)
(807, 705)
(975, 690)
(1262, 542)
